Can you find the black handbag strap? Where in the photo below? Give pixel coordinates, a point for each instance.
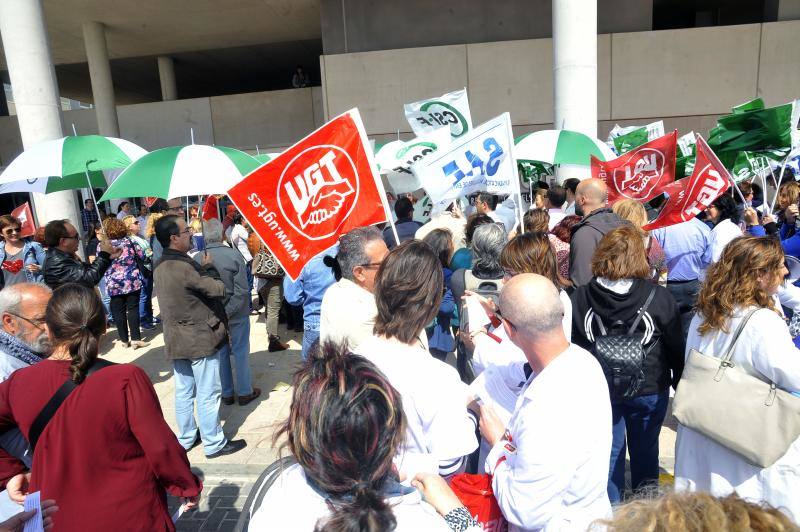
(49, 410)
(635, 323)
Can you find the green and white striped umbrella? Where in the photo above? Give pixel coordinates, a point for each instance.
(182, 171)
(62, 164)
(553, 146)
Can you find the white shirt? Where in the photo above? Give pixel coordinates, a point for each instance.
(142, 226)
(445, 220)
(347, 313)
(551, 469)
(721, 235)
(556, 215)
(569, 210)
(291, 504)
(765, 350)
(238, 237)
(440, 428)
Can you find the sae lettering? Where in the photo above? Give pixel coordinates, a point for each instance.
(476, 164)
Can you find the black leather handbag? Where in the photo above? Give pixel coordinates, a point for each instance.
(622, 355)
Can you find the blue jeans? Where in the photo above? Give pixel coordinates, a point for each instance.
(638, 421)
(249, 271)
(310, 337)
(198, 380)
(240, 343)
(146, 301)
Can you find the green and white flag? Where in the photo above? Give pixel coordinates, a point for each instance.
(624, 139)
(451, 110)
(751, 164)
(684, 162)
(395, 158)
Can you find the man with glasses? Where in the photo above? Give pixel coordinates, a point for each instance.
(23, 342)
(195, 336)
(348, 308)
(62, 264)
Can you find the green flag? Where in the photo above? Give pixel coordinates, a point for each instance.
(756, 129)
(627, 138)
(533, 170)
(751, 164)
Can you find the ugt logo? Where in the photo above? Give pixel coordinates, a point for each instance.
(317, 190)
(711, 184)
(641, 174)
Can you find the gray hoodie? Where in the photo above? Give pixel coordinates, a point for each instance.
(586, 234)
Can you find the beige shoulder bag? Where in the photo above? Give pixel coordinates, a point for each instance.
(749, 416)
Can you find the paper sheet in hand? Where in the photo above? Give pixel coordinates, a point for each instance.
(476, 314)
(35, 523)
(495, 390)
(178, 513)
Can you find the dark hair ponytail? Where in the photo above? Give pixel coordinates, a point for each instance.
(345, 425)
(367, 511)
(76, 318)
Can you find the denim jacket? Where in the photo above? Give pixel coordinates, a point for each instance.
(33, 253)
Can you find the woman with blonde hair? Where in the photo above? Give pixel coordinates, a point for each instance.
(788, 198)
(634, 212)
(697, 512)
(742, 286)
(621, 299)
(146, 296)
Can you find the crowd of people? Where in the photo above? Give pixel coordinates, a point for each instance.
(541, 352)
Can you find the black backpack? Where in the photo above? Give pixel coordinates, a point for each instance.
(622, 355)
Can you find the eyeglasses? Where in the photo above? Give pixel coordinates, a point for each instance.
(73, 237)
(371, 265)
(500, 315)
(135, 222)
(36, 322)
(10, 230)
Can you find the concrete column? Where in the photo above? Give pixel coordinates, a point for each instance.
(575, 67)
(166, 73)
(94, 38)
(33, 80)
(789, 10)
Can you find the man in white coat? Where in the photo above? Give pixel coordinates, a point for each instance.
(550, 465)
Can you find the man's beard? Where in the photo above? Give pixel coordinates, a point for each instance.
(40, 346)
(578, 209)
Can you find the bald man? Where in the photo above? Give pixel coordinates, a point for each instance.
(550, 465)
(591, 202)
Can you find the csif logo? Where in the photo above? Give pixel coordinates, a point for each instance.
(436, 113)
(317, 190)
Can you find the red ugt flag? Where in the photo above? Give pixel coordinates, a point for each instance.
(25, 216)
(640, 174)
(325, 185)
(692, 195)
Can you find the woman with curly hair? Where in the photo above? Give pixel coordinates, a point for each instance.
(345, 426)
(696, 512)
(124, 283)
(741, 286)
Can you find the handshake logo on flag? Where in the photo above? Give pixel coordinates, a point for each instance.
(637, 180)
(316, 186)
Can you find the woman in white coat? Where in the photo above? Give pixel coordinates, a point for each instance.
(345, 426)
(746, 277)
(441, 430)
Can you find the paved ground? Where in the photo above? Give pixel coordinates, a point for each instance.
(228, 479)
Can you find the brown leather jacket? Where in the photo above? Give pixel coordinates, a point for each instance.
(192, 312)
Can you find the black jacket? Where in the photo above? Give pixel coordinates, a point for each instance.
(586, 234)
(62, 268)
(661, 324)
